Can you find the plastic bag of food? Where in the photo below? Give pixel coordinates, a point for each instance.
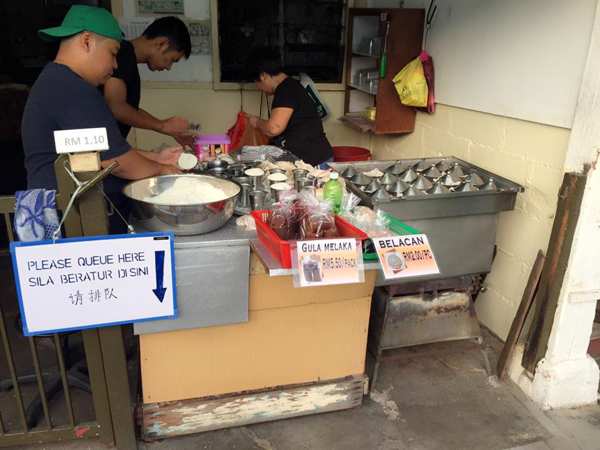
(318, 222)
(429, 73)
(411, 85)
(242, 133)
(285, 216)
(373, 223)
(349, 202)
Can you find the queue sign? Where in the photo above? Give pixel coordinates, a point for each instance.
(405, 256)
(328, 261)
(89, 282)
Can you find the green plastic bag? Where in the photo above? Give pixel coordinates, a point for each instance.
(411, 85)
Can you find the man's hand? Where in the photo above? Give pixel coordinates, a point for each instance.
(174, 126)
(169, 156)
(169, 170)
(184, 139)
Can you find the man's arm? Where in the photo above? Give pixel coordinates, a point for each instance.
(115, 93)
(276, 125)
(168, 156)
(133, 166)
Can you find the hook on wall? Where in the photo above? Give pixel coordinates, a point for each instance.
(429, 18)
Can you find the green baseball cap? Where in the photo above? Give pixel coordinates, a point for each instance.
(84, 18)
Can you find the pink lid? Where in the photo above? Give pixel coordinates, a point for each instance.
(209, 139)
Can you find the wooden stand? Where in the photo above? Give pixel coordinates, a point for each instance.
(85, 162)
(403, 45)
(169, 419)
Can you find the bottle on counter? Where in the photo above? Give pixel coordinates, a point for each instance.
(333, 192)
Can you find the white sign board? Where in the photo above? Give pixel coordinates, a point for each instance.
(325, 262)
(405, 256)
(81, 140)
(90, 282)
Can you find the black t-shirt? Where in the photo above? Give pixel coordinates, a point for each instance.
(61, 100)
(304, 135)
(127, 70)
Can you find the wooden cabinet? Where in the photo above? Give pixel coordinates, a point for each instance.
(363, 86)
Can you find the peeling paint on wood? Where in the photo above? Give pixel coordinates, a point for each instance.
(161, 420)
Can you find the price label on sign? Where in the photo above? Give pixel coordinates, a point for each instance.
(405, 256)
(80, 283)
(328, 261)
(81, 140)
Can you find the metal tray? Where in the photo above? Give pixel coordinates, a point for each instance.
(424, 205)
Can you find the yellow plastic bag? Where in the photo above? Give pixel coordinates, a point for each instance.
(411, 85)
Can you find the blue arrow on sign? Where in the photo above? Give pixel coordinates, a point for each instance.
(159, 261)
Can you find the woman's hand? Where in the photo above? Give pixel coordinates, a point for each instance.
(253, 120)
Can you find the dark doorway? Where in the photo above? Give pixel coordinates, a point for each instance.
(22, 57)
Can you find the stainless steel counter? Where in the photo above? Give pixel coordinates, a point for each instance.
(461, 226)
(227, 236)
(212, 273)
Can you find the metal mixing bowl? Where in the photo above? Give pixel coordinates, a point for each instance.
(186, 219)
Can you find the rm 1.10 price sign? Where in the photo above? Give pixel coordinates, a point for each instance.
(328, 261)
(81, 140)
(79, 283)
(405, 256)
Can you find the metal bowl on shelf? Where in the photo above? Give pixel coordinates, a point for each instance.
(183, 219)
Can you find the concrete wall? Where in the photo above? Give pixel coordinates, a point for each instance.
(527, 153)
(217, 111)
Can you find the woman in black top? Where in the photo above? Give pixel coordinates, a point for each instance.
(294, 124)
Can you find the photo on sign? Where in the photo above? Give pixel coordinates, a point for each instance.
(405, 256)
(323, 262)
(395, 260)
(312, 270)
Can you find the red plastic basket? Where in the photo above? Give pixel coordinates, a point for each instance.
(280, 249)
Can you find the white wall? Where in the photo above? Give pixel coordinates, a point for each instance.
(514, 58)
(197, 68)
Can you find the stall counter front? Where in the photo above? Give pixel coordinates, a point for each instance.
(300, 351)
(292, 336)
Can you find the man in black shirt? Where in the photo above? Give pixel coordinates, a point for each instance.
(294, 124)
(164, 42)
(65, 96)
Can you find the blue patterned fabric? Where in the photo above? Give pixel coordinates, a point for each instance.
(35, 214)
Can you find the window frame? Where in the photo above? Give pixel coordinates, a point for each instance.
(219, 85)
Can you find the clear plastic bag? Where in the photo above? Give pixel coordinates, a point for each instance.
(317, 221)
(284, 217)
(373, 223)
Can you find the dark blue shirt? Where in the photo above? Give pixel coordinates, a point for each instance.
(62, 100)
(127, 70)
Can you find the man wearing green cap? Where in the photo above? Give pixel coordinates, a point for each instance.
(66, 96)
